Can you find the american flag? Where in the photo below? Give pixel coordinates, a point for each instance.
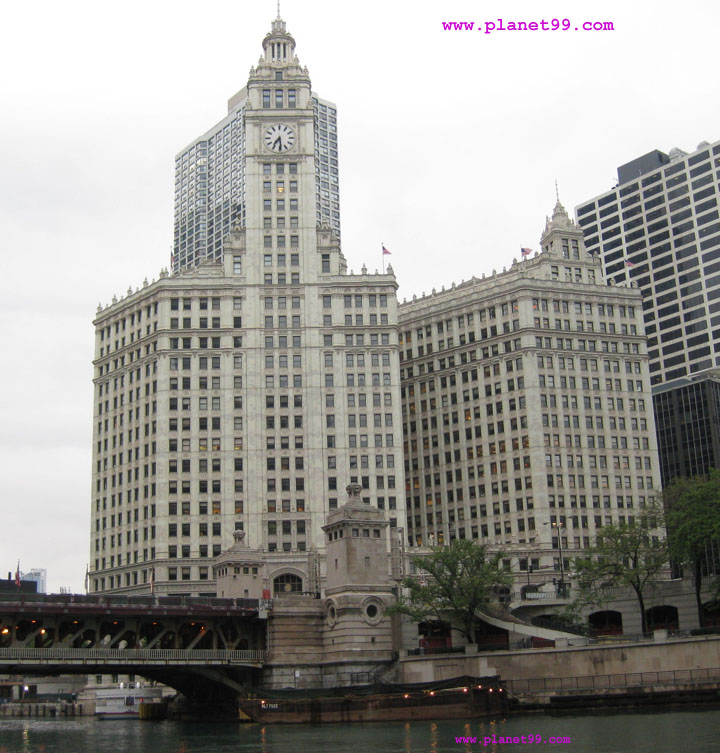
(385, 251)
(526, 251)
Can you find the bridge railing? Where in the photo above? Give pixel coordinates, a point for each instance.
(125, 655)
(120, 601)
(608, 682)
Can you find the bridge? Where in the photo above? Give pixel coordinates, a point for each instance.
(203, 647)
(116, 661)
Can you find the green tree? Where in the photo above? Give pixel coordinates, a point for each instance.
(456, 581)
(626, 555)
(692, 516)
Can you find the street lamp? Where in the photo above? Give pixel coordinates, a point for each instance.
(515, 547)
(560, 529)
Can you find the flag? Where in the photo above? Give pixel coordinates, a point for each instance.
(526, 251)
(17, 575)
(385, 251)
(629, 264)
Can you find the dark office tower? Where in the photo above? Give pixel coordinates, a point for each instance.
(687, 419)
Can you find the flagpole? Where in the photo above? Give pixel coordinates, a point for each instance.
(385, 253)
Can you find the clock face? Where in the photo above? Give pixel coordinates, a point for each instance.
(279, 138)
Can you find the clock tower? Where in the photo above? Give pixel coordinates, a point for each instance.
(274, 115)
(280, 167)
(318, 350)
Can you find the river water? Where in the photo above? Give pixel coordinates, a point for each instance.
(632, 732)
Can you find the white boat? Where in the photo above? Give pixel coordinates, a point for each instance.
(124, 701)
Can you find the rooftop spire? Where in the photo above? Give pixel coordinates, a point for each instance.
(278, 25)
(559, 223)
(560, 215)
(560, 218)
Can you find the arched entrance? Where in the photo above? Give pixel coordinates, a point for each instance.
(529, 593)
(711, 614)
(662, 618)
(489, 637)
(434, 635)
(607, 622)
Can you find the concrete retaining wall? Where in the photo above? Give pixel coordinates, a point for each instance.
(686, 653)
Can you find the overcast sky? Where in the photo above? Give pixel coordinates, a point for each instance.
(450, 143)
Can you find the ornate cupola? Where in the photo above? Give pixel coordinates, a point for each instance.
(562, 237)
(279, 46)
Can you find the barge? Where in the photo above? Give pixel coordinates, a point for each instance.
(458, 698)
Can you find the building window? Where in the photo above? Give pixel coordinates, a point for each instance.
(288, 583)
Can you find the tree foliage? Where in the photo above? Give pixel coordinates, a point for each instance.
(692, 515)
(626, 555)
(455, 582)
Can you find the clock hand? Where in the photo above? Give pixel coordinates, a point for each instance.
(277, 142)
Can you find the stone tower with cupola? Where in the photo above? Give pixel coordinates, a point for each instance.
(358, 587)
